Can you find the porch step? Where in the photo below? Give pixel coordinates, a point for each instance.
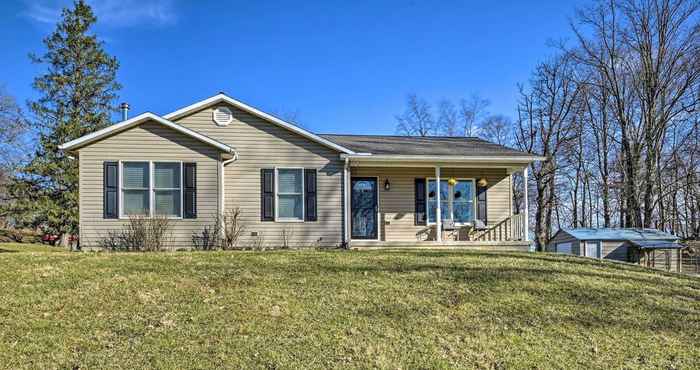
(516, 245)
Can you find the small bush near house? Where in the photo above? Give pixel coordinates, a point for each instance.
(207, 239)
(287, 236)
(224, 234)
(233, 228)
(141, 233)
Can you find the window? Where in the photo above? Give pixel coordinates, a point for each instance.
(135, 184)
(456, 201)
(166, 189)
(290, 194)
(151, 188)
(564, 248)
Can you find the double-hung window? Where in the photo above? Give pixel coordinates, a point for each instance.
(136, 188)
(167, 190)
(456, 201)
(290, 194)
(151, 188)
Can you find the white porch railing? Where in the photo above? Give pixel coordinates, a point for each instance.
(507, 230)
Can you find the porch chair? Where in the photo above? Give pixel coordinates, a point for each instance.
(448, 227)
(476, 227)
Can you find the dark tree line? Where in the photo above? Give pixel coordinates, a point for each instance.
(624, 152)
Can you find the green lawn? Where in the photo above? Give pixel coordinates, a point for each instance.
(312, 309)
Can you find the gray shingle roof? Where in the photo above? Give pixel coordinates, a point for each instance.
(430, 145)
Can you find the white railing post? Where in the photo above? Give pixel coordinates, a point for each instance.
(526, 233)
(438, 216)
(346, 203)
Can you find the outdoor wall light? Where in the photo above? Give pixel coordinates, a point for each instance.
(387, 185)
(482, 182)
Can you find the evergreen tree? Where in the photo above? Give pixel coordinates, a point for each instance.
(77, 96)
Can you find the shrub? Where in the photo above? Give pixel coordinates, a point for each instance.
(139, 234)
(224, 234)
(258, 242)
(287, 236)
(207, 239)
(232, 228)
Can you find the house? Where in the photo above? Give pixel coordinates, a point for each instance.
(292, 185)
(649, 247)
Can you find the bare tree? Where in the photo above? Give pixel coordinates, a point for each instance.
(448, 119)
(646, 52)
(13, 146)
(497, 129)
(13, 129)
(418, 119)
(544, 124)
(471, 111)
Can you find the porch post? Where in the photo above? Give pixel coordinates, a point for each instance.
(526, 220)
(438, 216)
(346, 204)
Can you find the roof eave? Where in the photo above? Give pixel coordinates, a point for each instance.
(441, 158)
(73, 145)
(218, 98)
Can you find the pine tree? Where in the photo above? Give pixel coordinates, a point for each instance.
(77, 96)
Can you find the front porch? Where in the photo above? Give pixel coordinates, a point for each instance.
(398, 204)
(514, 245)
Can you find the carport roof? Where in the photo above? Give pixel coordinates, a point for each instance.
(619, 234)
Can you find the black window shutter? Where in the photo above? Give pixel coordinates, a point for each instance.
(310, 194)
(110, 180)
(267, 194)
(481, 211)
(420, 202)
(190, 179)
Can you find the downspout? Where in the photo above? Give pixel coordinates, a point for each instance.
(222, 190)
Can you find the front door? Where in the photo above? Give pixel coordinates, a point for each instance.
(363, 206)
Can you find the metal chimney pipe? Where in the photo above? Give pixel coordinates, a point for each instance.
(125, 110)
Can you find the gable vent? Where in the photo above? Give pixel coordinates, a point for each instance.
(222, 116)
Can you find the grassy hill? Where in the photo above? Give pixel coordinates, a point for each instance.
(312, 309)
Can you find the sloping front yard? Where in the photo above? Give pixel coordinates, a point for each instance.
(314, 309)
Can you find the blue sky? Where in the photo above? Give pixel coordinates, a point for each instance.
(342, 66)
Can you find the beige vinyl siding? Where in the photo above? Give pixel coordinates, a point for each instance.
(147, 142)
(397, 206)
(563, 237)
(659, 262)
(615, 250)
(262, 144)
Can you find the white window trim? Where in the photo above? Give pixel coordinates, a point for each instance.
(427, 200)
(151, 188)
(303, 196)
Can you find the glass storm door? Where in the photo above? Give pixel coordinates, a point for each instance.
(363, 206)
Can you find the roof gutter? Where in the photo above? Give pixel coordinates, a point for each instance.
(441, 158)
